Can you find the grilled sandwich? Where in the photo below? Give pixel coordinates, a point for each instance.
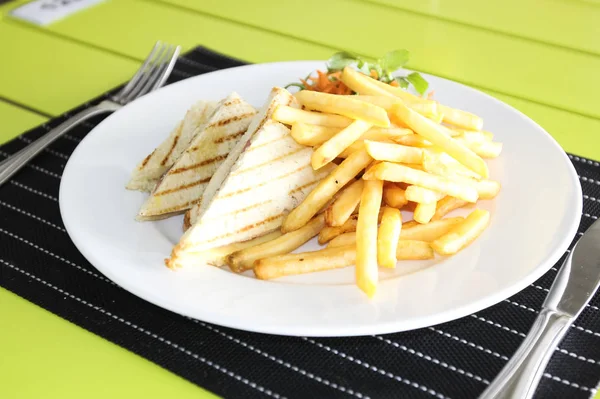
(150, 169)
(277, 96)
(184, 183)
(270, 178)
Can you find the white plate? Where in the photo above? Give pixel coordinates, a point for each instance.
(533, 220)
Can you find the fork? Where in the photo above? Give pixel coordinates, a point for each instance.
(152, 75)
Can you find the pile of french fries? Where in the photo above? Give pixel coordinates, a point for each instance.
(394, 152)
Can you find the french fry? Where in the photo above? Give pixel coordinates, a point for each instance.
(424, 212)
(338, 213)
(325, 190)
(386, 133)
(462, 234)
(409, 207)
(405, 249)
(388, 236)
(394, 196)
(366, 237)
(414, 250)
(410, 224)
(393, 152)
(345, 106)
(430, 231)
(442, 164)
(244, 260)
(436, 135)
(460, 118)
(328, 233)
(484, 148)
(422, 195)
(289, 115)
(366, 85)
(307, 262)
(217, 256)
(447, 205)
(486, 189)
(476, 136)
(396, 173)
(413, 140)
(354, 147)
(343, 239)
(427, 109)
(363, 84)
(386, 102)
(312, 135)
(437, 118)
(330, 149)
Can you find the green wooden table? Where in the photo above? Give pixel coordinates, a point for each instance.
(540, 56)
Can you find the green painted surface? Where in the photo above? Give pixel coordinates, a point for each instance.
(566, 23)
(524, 69)
(15, 120)
(45, 356)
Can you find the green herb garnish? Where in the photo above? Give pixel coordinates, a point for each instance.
(383, 67)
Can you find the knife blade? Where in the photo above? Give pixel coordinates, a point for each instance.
(575, 284)
(579, 277)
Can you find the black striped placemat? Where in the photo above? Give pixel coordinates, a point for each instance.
(39, 262)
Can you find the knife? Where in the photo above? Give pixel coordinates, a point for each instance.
(574, 286)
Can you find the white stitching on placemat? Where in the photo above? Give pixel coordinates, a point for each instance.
(471, 344)
(535, 311)
(72, 138)
(569, 383)
(51, 151)
(498, 325)
(376, 369)
(195, 63)
(244, 380)
(521, 306)
(576, 356)
(45, 171)
(68, 262)
(281, 362)
(39, 169)
(14, 208)
(178, 72)
(586, 161)
(587, 215)
(147, 332)
(587, 197)
(586, 330)
(539, 287)
(32, 190)
(589, 180)
(433, 360)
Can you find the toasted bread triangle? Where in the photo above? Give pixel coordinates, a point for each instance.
(271, 176)
(277, 96)
(150, 169)
(184, 183)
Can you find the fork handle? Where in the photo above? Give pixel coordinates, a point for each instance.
(521, 375)
(15, 162)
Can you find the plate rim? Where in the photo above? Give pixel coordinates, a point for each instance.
(325, 331)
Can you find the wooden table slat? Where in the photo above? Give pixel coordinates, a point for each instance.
(545, 74)
(553, 23)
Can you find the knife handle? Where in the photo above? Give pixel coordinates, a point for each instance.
(521, 375)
